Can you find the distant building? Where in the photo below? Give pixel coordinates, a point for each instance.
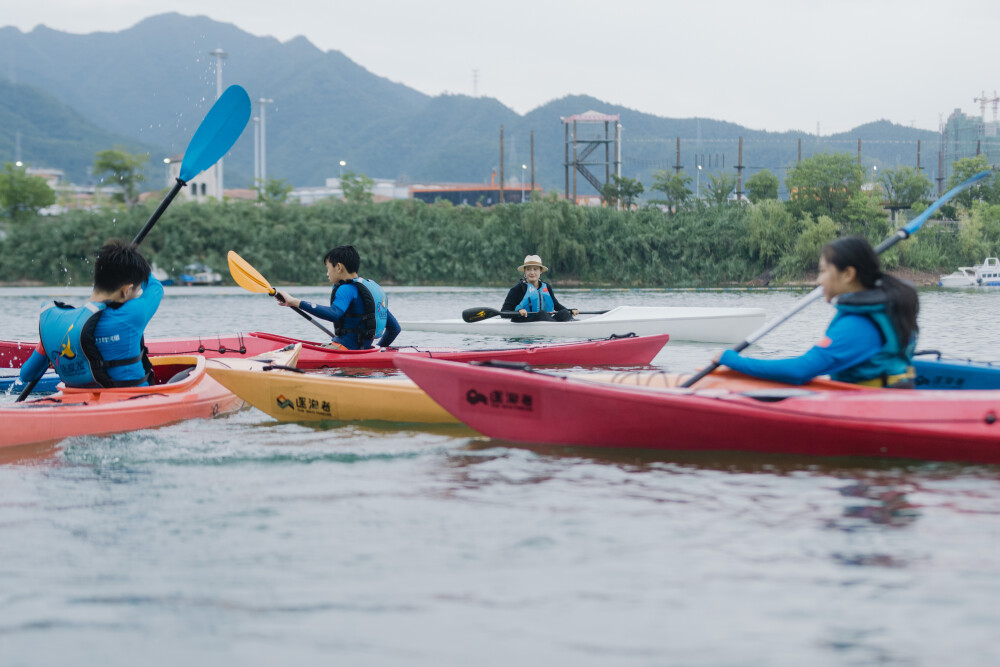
(964, 136)
(53, 177)
(463, 194)
(472, 194)
(202, 187)
(383, 189)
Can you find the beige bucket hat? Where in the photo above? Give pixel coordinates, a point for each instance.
(532, 260)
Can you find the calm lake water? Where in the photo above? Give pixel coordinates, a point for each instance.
(244, 541)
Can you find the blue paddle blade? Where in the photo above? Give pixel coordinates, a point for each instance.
(217, 133)
(916, 223)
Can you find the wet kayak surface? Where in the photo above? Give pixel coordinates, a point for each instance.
(243, 539)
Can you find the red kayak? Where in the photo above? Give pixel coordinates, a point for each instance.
(726, 411)
(627, 351)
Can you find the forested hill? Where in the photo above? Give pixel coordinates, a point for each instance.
(153, 83)
(52, 134)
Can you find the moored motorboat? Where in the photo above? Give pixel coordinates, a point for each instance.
(822, 418)
(623, 351)
(199, 274)
(708, 325)
(183, 390)
(986, 274)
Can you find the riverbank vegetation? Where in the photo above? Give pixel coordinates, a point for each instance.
(686, 242)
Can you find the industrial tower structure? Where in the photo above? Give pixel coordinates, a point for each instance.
(582, 149)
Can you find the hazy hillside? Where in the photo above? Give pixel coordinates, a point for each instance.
(154, 82)
(51, 133)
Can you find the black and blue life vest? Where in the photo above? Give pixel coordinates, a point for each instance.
(67, 334)
(893, 358)
(538, 298)
(369, 323)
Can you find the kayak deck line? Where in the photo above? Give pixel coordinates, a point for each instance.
(622, 351)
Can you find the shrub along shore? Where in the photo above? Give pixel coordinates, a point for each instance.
(408, 242)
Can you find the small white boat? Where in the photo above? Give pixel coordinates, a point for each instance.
(986, 274)
(199, 274)
(706, 325)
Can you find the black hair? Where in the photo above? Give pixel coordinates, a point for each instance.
(902, 297)
(119, 263)
(346, 255)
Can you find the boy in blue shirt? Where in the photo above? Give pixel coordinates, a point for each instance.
(100, 344)
(359, 308)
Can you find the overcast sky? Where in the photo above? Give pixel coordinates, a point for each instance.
(771, 64)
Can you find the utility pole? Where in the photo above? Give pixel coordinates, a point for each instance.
(618, 148)
(501, 164)
(220, 55)
(739, 174)
(264, 101)
(532, 163)
(256, 151)
(940, 176)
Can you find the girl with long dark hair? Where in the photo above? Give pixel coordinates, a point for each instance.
(870, 340)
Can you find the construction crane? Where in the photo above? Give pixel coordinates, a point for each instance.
(982, 105)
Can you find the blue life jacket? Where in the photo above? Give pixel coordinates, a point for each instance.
(893, 358)
(366, 321)
(536, 300)
(67, 334)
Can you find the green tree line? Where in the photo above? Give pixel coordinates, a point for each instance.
(690, 242)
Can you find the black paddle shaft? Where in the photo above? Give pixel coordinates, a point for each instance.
(277, 295)
(479, 314)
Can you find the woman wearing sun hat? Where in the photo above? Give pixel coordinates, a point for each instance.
(533, 299)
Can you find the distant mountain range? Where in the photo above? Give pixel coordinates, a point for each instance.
(67, 96)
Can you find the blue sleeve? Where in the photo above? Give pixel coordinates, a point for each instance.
(849, 341)
(392, 330)
(34, 367)
(138, 312)
(341, 302)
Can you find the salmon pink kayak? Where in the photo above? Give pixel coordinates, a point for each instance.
(183, 390)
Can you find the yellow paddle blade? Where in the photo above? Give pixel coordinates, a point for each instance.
(246, 276)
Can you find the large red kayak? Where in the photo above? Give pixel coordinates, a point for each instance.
(627, 351)
(725, 411)
(183, 390)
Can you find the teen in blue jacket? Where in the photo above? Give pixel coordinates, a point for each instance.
(359, 307)
(872, 337)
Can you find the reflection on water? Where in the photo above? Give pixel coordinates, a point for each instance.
(888, 507)
(387, 544)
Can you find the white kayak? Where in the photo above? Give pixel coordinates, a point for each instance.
(704, 325)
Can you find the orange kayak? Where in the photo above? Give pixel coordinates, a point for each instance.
(183, 390)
